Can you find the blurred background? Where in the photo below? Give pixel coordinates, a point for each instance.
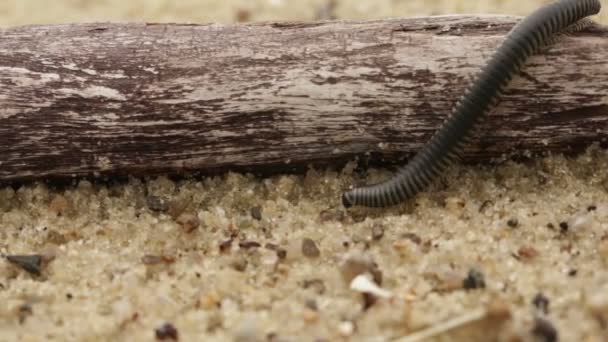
(23, 12)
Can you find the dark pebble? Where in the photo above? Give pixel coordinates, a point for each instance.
(256, 213)
(368, 300)
(474, 280)
(513, 223)
(156, 203)
(572, 272)
(30, 263)
(166, 332)
(311, 304)
(563, 226)
(249, 244)
(310, 249)
(544, 330)
(225, 246)
(281, 252)
(591, 208)
(541, 303)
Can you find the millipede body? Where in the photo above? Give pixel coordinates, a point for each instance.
(528, 37)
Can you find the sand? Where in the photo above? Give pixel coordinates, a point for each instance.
(519, 249)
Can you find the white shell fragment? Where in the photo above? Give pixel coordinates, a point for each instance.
(362, 283)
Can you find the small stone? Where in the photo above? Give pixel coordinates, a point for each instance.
(310, 316)
(527, 252)
(541, 303)
(592, 207)
(513, 223)
(310, 249)
(30, 263)
(544, 330)
(377, 232)
(311, 304)
(256, 213)
(331, 215)
(573, 272)
(563, 226)
(474, 280)
(59, 205)
(188, 222)
(157, 204)
(177, 206)
(239, 263)
(249, 244)
(166, 332)
(356, 264)
(225, 246)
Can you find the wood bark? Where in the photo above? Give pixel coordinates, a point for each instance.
(89, 99)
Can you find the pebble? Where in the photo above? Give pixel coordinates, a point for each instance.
(513, 223)
(166, 332)
(156, 203)
(355, 264)
(527, 252)
(30, 263)
(256, 213)
(474, 280)
(310, 316)
(377, 232)
(239, 263)
(310, 249)
(188, 222)
(541, 303)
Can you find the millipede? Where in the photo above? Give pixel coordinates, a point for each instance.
(528, 37)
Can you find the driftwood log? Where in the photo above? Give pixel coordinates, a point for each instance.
(89, 99)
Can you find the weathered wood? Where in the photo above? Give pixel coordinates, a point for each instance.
(130, 98)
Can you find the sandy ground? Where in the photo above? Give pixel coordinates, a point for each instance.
(520, 250)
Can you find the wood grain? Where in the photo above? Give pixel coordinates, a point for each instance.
(93, 99)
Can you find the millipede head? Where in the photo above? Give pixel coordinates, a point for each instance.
(346, 202)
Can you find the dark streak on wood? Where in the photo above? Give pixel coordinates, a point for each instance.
(118, 99)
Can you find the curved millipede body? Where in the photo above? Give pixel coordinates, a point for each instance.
(528, 37)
